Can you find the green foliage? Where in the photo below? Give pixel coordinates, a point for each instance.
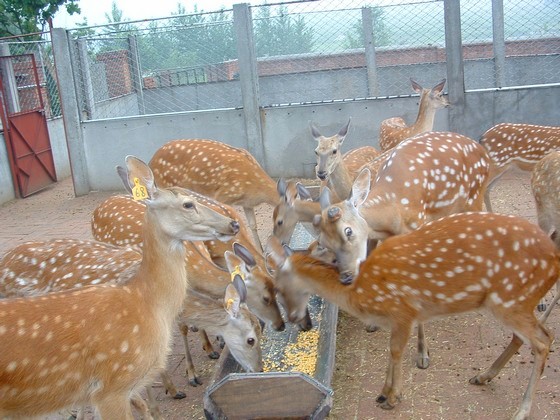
(381, 36)
(19, 17)
(281, 34)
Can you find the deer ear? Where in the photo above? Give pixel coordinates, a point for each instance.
(244, 254)
(275, 253)
(344, 131)
(281, 186)
(360, 188)
(232, 300)
(415, 86)
(325, 198)
(314, 132)
(139, 175)
(303, 192)
(235, 265)
(439, 87)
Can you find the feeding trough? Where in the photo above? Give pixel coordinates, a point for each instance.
(298, 370)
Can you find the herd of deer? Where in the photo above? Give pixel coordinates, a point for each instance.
(406, 240)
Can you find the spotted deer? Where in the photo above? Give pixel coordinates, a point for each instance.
(115, 221)
(394, 130)
(459, 263)
(337, 170)
(516, 145)
(226, 173)
(545, 186)
(96, 345)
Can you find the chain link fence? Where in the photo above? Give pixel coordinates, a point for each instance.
(307, 52)
(22, 67)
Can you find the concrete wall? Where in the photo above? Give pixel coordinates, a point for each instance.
(288, 144)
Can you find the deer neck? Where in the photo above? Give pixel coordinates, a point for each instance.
(341, 180)
(205, 311)
(163, 270)
(317, 277)
(426, 115)
(306, 210)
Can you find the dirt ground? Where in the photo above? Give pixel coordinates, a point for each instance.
(460, 345)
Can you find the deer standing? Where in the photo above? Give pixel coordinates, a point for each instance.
(459, 263)
(394, 130)
(226, 173)
(337, 170)
(101, 344)
(516, 145)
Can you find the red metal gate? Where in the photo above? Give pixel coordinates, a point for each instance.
(25, 124)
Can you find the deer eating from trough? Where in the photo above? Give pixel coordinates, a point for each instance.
(96, 345)
(458, 263)
(516, 145)
(228, 174)
(394, 130)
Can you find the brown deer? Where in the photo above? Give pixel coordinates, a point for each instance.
(516, 145)
(226, 173)
(545, 185)
(337, 170)
(459, 263)
(394, 130)
(97, 345)
(115, 221)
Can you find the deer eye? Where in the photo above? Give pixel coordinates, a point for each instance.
(280, 222)
(348, 232)
(266, 300)
(251, 341)
(334, 152)
(188, 205)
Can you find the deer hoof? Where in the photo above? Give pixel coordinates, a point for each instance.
(179, 395)
(214, 355)
(477, 380)
(541, 307)
(195, 382)
(422, 362)
(381, 399)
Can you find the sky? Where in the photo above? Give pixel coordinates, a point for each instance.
(95, 10)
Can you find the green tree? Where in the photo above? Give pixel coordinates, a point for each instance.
(19, 17)
(381, 36)
(281, 34)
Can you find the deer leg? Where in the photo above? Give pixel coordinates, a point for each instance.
(191, 372)
(540, 344)
(115, 406)
(487, 202)
(207, 345)
(149, 411)
(252, 220)
(543, 318)
(170, 387)
(391, 392)
(423, 356)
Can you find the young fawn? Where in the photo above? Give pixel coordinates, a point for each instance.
(394, 130)
(516, 145)
(226, 173)
(459, 263)
(101, 344)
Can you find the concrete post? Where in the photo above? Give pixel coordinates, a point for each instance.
(70, 111)
(136, 73)
(9, 80)
(455, 65)
(499, 43)
(249, 80)
(369, 44)
(85, 73)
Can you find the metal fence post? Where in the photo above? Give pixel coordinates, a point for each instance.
(135, 71)
(70, 111)
(249, 80)
(455, 65)
(9, 79)
(369, 44)
(498, 41)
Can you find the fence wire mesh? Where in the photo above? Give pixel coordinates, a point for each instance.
(307, 51)
(22, 70)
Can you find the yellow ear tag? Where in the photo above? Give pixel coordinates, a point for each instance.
(229, 303)
(237, 271)
(139, 191)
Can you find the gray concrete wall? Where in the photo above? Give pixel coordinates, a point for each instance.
(6, 184)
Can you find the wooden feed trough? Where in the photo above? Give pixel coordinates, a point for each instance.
(298, 370)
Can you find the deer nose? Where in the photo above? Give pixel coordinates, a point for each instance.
(235, 226)
(306, 324)
(280, 327)
(346, 277)
(322, 175)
